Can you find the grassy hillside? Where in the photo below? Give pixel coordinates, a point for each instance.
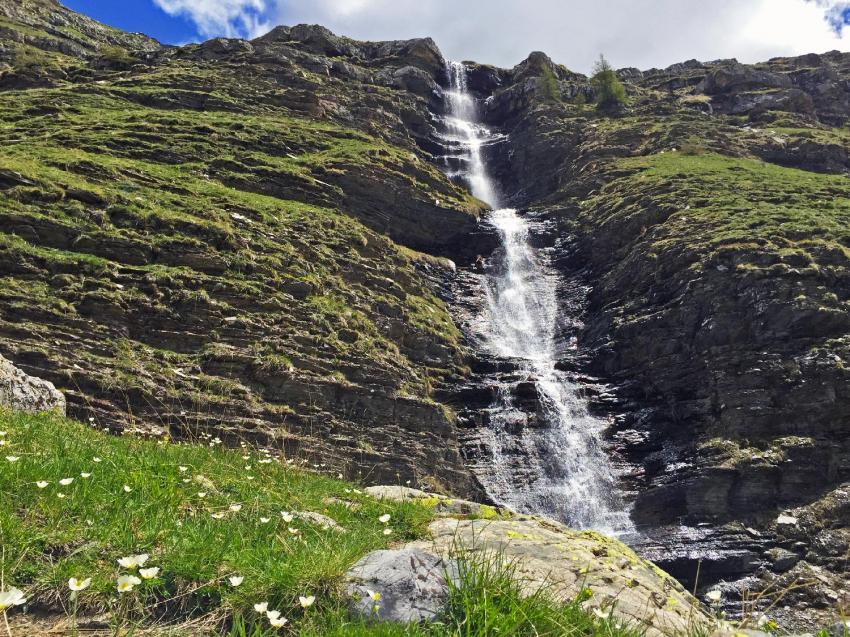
(212, 238)
(204, 514)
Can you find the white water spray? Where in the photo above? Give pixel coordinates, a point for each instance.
(556, 464)
(468, 137)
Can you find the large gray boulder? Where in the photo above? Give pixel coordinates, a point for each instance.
(548, 556)
(544, 554)
(26, 393)
(412, 585)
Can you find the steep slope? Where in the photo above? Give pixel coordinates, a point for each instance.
(42, 42)
(250, 240)
(225, 238)
(709, 220)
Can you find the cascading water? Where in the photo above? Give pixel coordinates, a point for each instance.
(467, 137)
(564, 470)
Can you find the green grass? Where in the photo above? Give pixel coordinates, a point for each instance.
(206, 195)
(488, 600)
(708, 203)
(48, 539)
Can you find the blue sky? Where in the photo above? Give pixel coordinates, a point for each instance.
(641, 33)
(138, 15)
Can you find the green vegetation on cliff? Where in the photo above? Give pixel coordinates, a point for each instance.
(194, 241)
(610, 92)
(714, 206)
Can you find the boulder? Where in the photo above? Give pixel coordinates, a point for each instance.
(411, 585)
(318, 519)
(565, 562)
(223, 49)
(27, 393)
(415, 80)
(782, 559)
(545, 554)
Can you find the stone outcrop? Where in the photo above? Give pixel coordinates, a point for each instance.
(411, 585)
(25, 393)
(543, 554)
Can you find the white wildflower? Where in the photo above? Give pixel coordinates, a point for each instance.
(12, 597)
(79, 585)
(126, 583)
(306, 602)
(133, 561)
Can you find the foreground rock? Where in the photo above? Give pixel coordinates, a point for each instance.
(545, 555)
(411, 585)
(26, 393)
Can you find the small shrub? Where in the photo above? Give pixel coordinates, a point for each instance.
(116, 56)
(692, 149)
(549, 85)
(610, 92)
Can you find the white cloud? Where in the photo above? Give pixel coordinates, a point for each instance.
(837, 13)
(229, 18)
(642, 33)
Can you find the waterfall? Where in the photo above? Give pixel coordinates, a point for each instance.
(467, 137)
(553, 461)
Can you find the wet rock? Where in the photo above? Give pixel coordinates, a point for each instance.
(412, 585)
(27, 393)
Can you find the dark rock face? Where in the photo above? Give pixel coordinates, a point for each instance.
(717, 334)
(739, 77)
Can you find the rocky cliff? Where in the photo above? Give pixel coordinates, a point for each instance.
(252, 240)
(701, 233)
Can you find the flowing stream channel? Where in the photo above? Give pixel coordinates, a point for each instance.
(565, 471)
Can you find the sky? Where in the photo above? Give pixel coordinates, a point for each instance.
(639, 33)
